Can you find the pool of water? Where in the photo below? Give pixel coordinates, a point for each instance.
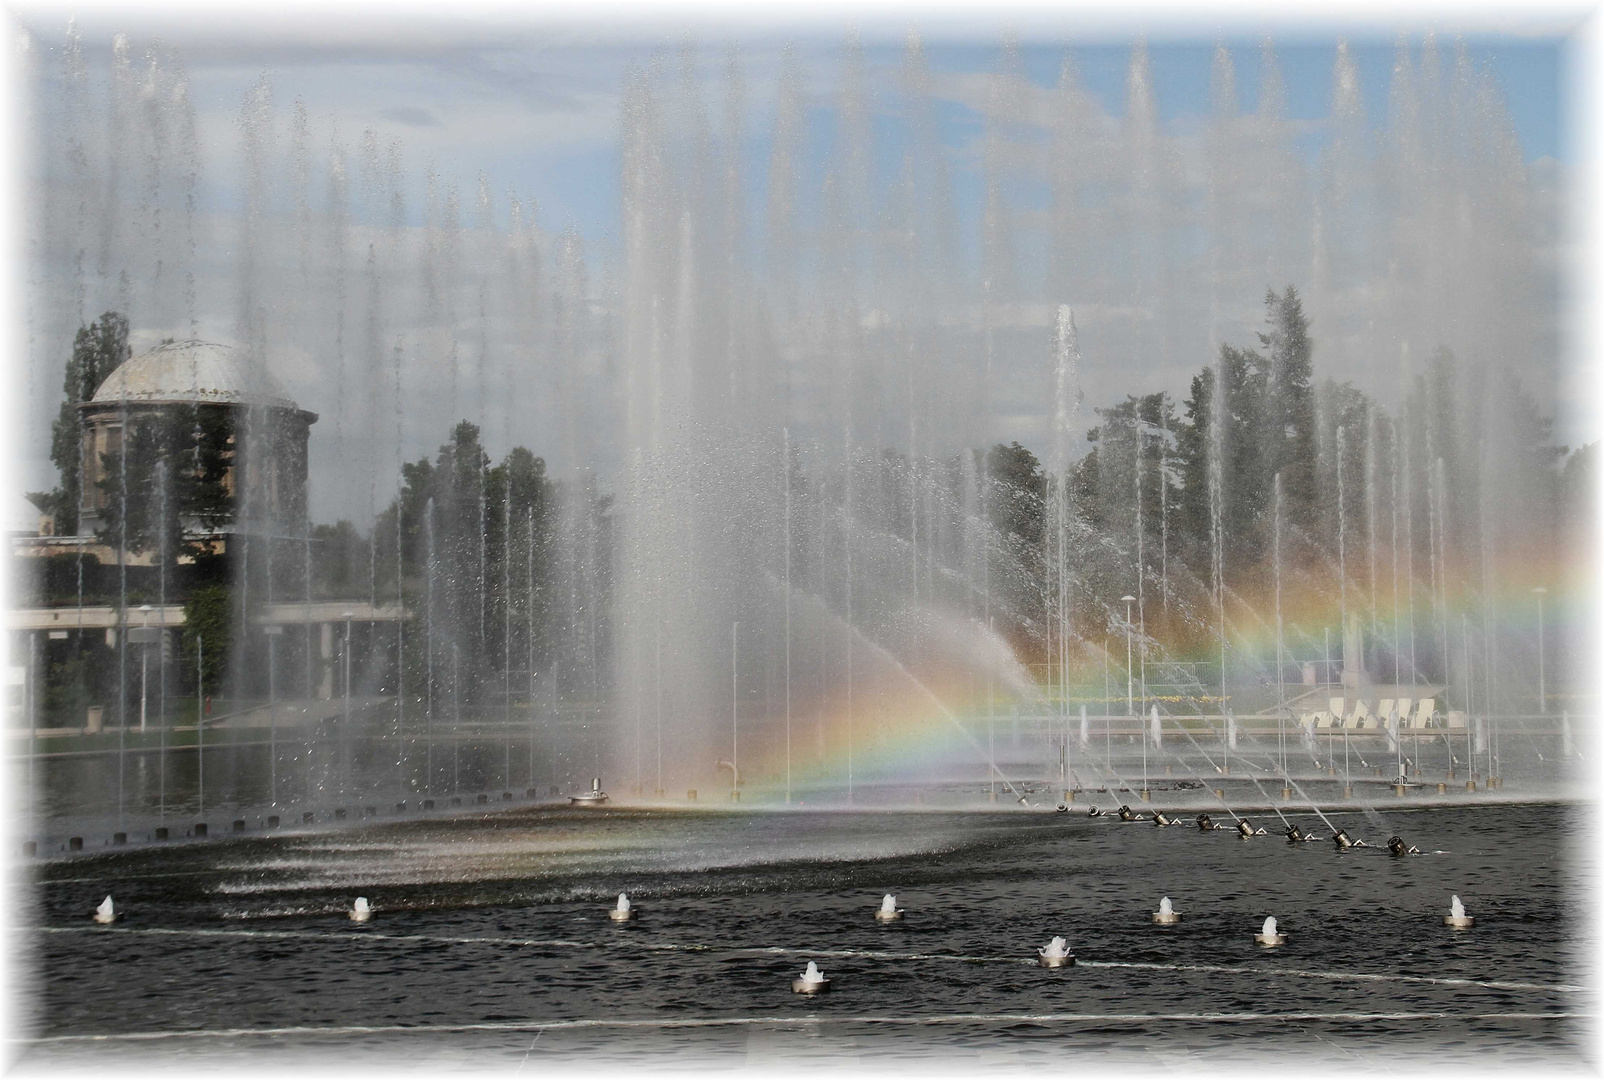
(491, 944)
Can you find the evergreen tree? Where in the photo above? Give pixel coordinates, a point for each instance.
(1018, 487)
(1290, 406)
(97, 350)
(190, 451)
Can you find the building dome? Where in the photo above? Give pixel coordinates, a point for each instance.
(191, 371)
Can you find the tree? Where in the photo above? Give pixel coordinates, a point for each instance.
(209, 627)
(1290, 405)
(1018, 487)
(186, 449)
(97, 350)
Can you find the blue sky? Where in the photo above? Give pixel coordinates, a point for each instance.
(553, 92)
(535, 107)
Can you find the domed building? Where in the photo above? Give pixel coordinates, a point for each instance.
(213, 412)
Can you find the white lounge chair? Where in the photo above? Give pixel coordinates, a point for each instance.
(1385, 713)
(1423, 714)
(1362, 718)
(1403, 711)
(1322, 719)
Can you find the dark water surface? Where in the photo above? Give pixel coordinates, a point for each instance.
(491, 946)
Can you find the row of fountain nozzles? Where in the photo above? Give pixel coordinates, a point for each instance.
(888, 911)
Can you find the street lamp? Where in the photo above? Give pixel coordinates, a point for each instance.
(1542, 689)
(144, 664)
(347, 616)
(1130, 685)
(273, 632)
(735, 710)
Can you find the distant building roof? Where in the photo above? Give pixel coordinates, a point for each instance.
(187, 371)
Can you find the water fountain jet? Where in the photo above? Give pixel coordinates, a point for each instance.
(107, 913)
(1456, 916)
(888, 911)
(1166, 915)
(1055, 955)
(811, 981)
(361, 911)
(1268, 936)
(622, 912)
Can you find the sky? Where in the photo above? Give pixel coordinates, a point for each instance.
(535, 105)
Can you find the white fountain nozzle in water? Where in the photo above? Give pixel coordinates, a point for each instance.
(107, 912)
(888, 911)
(1166, 915)
(1269, 935)
(1456, 916)
(623, 912)
(1056, 954)
(811, 981)
(361, 911)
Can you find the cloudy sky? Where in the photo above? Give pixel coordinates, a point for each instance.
(534, 105)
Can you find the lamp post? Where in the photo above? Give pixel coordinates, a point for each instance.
(346, 716)
(273, 631)
(200, 721)
(345, 713)
(1130, 684)
(1542, 687)
(144, 665)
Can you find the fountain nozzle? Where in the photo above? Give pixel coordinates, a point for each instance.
(1055, 955)
(107, 913)
(361, 911)
(623, 912)
(1456, 916)
(888, 911)
(1269, 936)
(1166, 915)
(811, 981)
(594, 797)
